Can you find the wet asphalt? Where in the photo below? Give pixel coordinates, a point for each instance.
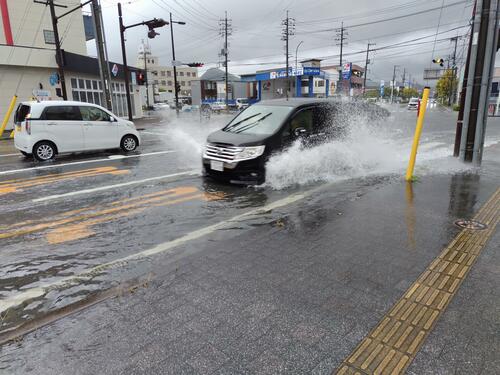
(272, 268)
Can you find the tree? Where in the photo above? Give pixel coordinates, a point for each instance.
(445, 86)
(409, 92)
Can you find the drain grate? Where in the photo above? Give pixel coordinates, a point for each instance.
(470, 224)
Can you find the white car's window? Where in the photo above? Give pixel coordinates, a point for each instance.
(93, 114)
(62, 113)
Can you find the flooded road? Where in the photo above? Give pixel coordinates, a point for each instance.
(88, 222)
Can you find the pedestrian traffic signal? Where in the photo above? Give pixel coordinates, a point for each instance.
(438, 61)
(141, 78)
(195, 65)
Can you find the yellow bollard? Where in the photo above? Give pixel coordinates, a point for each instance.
(418, 131)
(7, 115)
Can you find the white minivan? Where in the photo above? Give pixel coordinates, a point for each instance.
(47, 128)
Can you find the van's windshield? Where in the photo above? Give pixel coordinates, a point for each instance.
(258, 119)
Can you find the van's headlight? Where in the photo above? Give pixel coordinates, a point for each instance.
(250, 152)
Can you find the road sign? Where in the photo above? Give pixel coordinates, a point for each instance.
(114, 70)
(433, 73)
(382, 86)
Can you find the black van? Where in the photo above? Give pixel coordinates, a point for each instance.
(239, 151)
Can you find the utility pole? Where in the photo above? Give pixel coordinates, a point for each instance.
(146, 73)
(101, 54)
(453, 90)
(288, 30)
(463, 92)
(393, 82)
(341, 37)
(366, 65)
(59, 52)
(484, 46)
(404, 77)
(225, 60)
(225, 32)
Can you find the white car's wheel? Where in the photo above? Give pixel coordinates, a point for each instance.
(44, 151)
(129, 143)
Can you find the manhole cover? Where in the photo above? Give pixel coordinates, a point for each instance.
(470, 224)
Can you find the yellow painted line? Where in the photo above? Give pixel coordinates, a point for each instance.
(114, 210)
(391, 346)
(11, 186)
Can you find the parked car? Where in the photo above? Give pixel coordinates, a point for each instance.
(218, 106)
(238, 152)
(413, 103)
(242, 103)
(45, 129)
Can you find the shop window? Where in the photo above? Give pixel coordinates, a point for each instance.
(74, 83)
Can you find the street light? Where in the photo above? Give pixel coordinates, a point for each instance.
(152, 25)
(176, 89)
(296, 51)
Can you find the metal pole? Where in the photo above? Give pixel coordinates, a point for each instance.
(340, 61)
(486, 79)
(103, 65)
(286, 50)
(59, 53)
(473, 83)
(173, 63)
(125, 67)
(296, 52)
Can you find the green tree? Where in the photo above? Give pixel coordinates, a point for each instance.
(409, 92)
(445, 86)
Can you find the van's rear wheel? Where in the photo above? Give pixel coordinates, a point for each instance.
(129, 143)
(44, 151)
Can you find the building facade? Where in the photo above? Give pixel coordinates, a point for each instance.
(162, 77)
(28, 65)
(211, 86)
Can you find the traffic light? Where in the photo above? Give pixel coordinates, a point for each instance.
(153, 24)
(438, 61)
(195, 65)
(141, 78)
(177, 87)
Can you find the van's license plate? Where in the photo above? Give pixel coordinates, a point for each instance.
(217, 165)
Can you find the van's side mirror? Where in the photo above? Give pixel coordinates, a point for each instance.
(112, 119)
(300, 132)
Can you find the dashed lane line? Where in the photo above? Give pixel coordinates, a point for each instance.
(114, 186)
(111, 157)
(165, 247)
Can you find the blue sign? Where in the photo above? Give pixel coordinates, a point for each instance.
(54, 79)
(292, 72)
(346, 71)
(382, 86)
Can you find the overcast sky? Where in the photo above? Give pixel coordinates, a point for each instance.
(256, 32)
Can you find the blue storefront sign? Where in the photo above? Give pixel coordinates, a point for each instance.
(292, 72)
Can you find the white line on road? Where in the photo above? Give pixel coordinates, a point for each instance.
(4, 155)
(108, 187)
(109, 158)
(40, 291)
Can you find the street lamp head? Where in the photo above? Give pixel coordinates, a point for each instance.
(156, 22)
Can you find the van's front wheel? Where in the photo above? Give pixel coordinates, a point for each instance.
(129, 143)
(44, 151)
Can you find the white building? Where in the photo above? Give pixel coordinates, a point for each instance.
(27, 58)
(162, 77)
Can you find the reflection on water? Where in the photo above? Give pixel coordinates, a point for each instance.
(464, 191)
(410, 215)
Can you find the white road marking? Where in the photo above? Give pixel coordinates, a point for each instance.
(111, 157)
(16, 154)
(28, 294)
(108, 187)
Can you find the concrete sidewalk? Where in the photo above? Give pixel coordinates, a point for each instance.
(293, 294)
